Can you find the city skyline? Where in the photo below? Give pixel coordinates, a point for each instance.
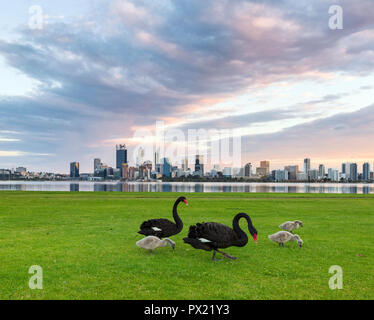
(94, 73)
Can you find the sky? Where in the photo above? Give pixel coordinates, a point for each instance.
(99, 72)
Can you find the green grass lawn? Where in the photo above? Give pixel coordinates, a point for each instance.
(85, 243)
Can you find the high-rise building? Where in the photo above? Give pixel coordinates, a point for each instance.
(366, 171)
(281, 175)
(264, 169)
(353, 174)
(313, 174)
(321, 171)
(199, 165)
(97, 164)
(157, 158)
(344, 168)
(306, 165)
(185, 164)
(166, 167)
(125, 171)
(74, 169)
(292, 172)
(248, 170)
(121, 155)
(333, 175)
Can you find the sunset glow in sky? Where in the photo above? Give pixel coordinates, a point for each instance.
(99, 70)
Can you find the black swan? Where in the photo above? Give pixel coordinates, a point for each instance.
(163, 227)
(212, 235)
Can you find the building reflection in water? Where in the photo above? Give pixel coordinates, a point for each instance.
(188, 187)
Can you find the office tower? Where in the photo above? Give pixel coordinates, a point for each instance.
(264, 169)
(125, 171)
(321, 171)
(281, 175)
(306, 165)
(20, 170)
(344, 168)
(97, 164)
(292, 172)
(366, 171)
(74, 169)
(227, 172)
(166, 167)
(353, 174)
(121, 155)
(199, 165)
(185, 164)
(157, 157)
(333, 175)
(313, 174)
(248, 170)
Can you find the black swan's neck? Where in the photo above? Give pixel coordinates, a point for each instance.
(242, 236)
(176, 217)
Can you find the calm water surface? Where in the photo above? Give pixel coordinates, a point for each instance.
(354, 188)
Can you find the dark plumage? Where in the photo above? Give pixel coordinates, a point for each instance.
(163, 227)
(213, 236)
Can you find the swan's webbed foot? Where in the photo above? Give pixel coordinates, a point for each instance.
(214, 256)
(226, 255)
(150, 251)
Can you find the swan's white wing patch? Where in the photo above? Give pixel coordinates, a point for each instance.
(204, 240)
(156, 229)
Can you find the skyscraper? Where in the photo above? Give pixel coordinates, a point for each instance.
(74, 169)
(321, 171)
(264, 169)
(199, 165)
(366, 172)
(121, 155)
(97, 164)
(166, 167)
(248, 170)
(306, 166)
(353, 174)
(292, 172)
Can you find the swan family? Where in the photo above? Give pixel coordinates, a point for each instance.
(209, 236)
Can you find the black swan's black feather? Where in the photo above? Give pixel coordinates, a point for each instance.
(212, 235)
(167, 227)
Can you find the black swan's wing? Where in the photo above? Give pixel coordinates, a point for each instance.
(213, 234)
(158, 227)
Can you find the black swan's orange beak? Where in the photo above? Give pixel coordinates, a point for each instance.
(255, 238)
(185, 201)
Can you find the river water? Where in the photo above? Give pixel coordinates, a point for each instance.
(353, 188)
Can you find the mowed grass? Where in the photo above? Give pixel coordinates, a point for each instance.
(85, 243)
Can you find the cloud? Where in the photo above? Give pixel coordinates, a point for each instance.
(139, 62)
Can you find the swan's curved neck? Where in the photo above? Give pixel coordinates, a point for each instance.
(176, 217)
(243, 238)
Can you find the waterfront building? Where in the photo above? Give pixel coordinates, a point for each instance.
(307, 166)
(321, 171)
(353, 174)
(292, 172)
(248, 170)
(281, 175)
(166, 167)
(74, 169)
(333, 175)
(366, 171)
(121, 155)
(313, 175)
(199, 165)
(97, 164)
